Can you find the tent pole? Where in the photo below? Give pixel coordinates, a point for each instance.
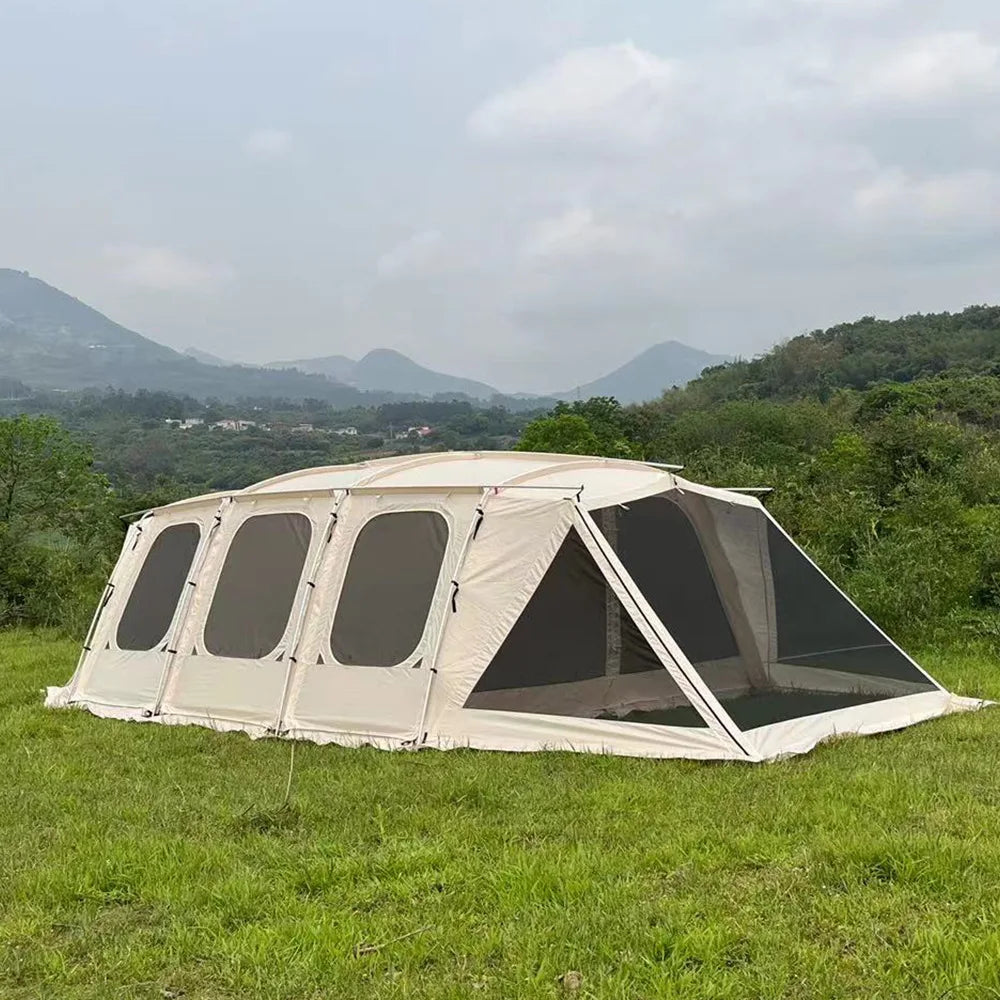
(293, 646)
(439, 638)
(182, 611)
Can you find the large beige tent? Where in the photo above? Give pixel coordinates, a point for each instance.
(507, 601)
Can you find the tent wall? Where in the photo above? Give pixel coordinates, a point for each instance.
(231, 653)
(795, 648)
(108, 675)
(331, 701)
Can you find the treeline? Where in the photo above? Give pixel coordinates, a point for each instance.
(137, 450)
(856, 355)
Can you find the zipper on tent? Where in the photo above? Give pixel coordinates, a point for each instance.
(293, 645)
(734, 734)
(182, 614)
(432, 660)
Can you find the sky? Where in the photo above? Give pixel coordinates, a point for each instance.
(527, 192)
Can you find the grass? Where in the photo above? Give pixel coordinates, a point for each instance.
(150, 862)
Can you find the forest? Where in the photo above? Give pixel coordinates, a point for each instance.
(880, 441)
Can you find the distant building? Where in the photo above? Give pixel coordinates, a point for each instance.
(303, 429)
(234, 425)
(412, 432)
(347, 431)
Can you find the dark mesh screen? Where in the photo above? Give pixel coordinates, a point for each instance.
(818, 627)
(768, 634)
(388, 589)
(576, 651)
(660, 548)
(256, 589)
(153, 601)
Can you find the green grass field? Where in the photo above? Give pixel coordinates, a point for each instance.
(150, 862)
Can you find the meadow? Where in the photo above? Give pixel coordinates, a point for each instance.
(165, 862)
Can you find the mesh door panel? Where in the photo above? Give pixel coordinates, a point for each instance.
(575, 651)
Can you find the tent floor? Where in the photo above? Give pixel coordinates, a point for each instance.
(759, 708)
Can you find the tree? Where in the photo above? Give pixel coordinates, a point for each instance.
(46, 478)
(596, 426)
(58, 529)
(563, 433)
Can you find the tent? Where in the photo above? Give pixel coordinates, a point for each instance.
(499, 600)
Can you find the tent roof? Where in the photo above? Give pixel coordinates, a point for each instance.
(596, 480)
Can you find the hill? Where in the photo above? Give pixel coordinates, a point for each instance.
(856, 355)
(647, 375)
(205, 357)
(50, 340)
(390, 371)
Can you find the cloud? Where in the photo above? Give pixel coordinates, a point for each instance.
(617, 93)
(267, 144)
(416, 255)
(945, 66)
(161, 269)
(965, 200)
(572, 234)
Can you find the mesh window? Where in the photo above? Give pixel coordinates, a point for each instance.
(153, 601)
(768, 634)
(256, 589)
(388, 589)
(575, 651)
(817, 627)
(660, 548)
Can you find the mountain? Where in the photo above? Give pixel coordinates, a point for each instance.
(50, 340)
(206, 358)
(385, 370)
(647, 375)
(336, 366)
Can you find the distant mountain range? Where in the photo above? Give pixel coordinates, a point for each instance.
(385, 370)
(50, 340)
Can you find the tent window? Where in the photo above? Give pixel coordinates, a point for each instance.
(575, 651)
(388, 589)
(153, 601)
(256, 589)
(817, 627)
(660, 548)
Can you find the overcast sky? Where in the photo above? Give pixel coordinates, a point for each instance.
(521, 191)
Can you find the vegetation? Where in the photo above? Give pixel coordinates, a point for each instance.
(150, 861)
(856, 355)
(57, 535)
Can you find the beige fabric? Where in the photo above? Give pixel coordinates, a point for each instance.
(300, 691)
(373, 701)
